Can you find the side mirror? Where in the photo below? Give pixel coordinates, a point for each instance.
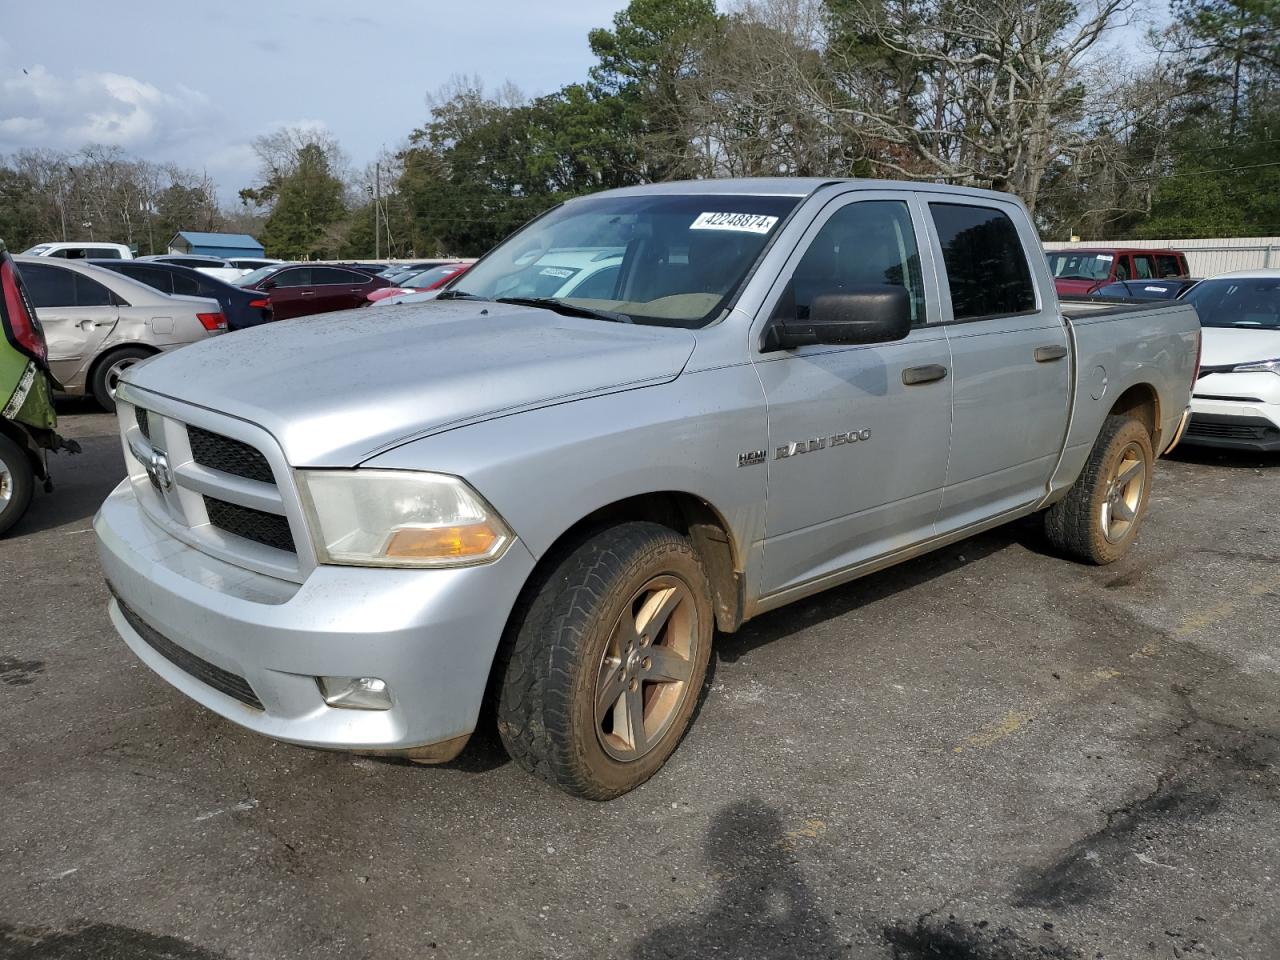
(877, 313)
(267, 285)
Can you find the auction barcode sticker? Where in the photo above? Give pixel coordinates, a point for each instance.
(743, 222)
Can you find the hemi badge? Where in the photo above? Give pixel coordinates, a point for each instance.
(751, 458)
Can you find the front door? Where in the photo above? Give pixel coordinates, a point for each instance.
(291, 293)
(77, 313)
(1011, 366)
(858, 435)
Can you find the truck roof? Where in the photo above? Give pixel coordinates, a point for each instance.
(794, 187)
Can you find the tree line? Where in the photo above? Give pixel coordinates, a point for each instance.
(1102, 125)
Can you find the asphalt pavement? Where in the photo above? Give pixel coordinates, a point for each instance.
(990, 753)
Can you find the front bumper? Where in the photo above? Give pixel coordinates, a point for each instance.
(1238, 411)
(430, 634)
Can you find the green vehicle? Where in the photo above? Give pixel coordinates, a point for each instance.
(27, 418)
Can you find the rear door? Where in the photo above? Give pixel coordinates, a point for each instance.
(77, 314)
(291, 293)
(1009, 354)
(340, 289)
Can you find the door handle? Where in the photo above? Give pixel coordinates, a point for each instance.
(925, 374)
(1055, 352)
(307, 293)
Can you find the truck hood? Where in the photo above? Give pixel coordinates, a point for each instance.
(1227, 346)
(339, 388)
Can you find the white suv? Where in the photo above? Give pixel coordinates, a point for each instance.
(1236, 402)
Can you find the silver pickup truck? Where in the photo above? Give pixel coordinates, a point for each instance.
(651, 414)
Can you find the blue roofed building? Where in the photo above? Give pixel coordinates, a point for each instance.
(215, 244)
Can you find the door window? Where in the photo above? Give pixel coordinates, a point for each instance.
(1144, 266)
(103, 253)
(1122, 267)
(868, 243)
(49, 286)
(295, 277)
(987, 271)
(186, 285)
(152, 277)
(1168, 265)
(90, 293)
(332, 275)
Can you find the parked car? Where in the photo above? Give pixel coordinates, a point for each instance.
(1237, 398)
(299, 289)
(214, 267)
(81, 250)
(431, 279)
(1144, 289)
(1080, 271)
(251, 263)
(98, 323)
(28, 423)
(561, 499)
(242, 308)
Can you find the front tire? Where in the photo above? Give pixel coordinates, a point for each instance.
(1097, 521)
(17, 480)
(608, 662)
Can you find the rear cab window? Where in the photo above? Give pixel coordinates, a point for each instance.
(987, 271)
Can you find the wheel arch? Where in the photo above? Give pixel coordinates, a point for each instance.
(1142, 401)
(20, 439)
(687, 514)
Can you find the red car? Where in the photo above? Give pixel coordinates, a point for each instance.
(430, 279)
(1079, 271)
(299, 289)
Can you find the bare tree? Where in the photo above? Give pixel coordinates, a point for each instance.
(994, 96)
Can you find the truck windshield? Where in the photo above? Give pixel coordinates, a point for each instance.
(1251, 302)
(1081, 266)
(663, 260)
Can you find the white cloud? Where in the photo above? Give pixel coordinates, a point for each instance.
(39, 108)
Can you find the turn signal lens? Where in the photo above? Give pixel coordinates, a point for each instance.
(473, 540)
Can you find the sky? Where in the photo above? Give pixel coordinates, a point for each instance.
(193, 84)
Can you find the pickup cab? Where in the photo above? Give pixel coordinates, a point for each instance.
(355, 533)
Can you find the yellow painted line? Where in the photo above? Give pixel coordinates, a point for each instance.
(1015, 720)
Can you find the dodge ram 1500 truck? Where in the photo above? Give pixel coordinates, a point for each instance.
(543, 496)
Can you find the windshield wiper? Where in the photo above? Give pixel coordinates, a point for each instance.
(459, 295)
(566, 309)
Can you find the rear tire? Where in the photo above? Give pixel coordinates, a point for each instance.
(1097, 521)
(17, 481)
(107, 371)
(608, 661)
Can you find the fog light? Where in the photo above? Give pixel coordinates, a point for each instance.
(355, 693)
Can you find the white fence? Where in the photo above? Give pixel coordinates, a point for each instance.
(1205, 258)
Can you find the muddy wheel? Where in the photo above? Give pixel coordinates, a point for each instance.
(1098, 519)
(17, 480)
(106, 375)
(608, 662)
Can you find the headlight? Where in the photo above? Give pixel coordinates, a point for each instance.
(397, 518)
(1262, 366)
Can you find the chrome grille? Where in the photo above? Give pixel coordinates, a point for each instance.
(217, 452)
(216, 483)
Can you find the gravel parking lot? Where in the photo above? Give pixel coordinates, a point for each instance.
(986, 754)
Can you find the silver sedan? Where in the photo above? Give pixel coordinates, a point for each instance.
(98, 323)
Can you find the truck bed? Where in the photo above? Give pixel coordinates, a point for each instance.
(1073, 307)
